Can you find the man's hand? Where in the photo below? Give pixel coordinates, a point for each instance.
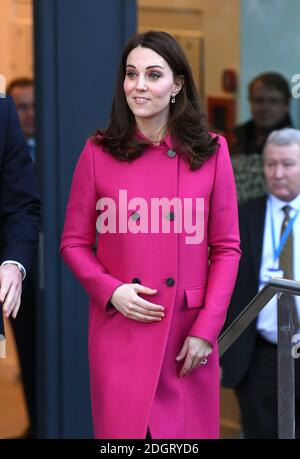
(10, 289)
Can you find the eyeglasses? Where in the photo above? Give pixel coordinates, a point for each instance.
(266, 100)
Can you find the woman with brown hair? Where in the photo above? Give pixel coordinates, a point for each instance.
(159, 284)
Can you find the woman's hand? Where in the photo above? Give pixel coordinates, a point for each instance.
(195, 350)
(127, 301)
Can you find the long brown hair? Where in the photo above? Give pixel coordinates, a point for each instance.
(187, 124)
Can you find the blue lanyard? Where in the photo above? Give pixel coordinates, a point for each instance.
(285, 235)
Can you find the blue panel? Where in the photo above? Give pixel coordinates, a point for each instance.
(270, 41)
(77, 50)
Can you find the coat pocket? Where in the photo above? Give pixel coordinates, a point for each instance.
(195, 296)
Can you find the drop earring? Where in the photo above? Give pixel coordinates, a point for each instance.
(173, 100)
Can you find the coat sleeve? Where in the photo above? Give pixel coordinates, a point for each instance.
(19, 200)
(224, 249)
(79, 233)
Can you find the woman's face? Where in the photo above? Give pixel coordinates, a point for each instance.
(149, 84)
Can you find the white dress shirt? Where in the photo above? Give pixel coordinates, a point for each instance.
(267, 318)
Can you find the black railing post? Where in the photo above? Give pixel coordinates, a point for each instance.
(285, 367)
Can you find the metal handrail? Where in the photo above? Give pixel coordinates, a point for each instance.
(250, 312)
(285, 289)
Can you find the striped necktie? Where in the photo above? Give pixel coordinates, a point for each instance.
(286, 257)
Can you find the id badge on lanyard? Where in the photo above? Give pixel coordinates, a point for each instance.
(274, 271)
(270, 273)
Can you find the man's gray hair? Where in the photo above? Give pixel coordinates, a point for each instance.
(284, 136)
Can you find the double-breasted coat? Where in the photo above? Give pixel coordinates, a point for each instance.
(133, 368)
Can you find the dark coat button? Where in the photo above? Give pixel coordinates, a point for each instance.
(171, 153)
(136, 280)
(135, 216)
(170, 282)
(171, 216)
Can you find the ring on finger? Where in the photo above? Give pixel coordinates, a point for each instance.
(203, 362)
(194, 364)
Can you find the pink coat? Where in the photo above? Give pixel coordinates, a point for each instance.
(133, 371)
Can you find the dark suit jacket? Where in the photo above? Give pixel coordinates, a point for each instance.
(236, 359)
(19, 201)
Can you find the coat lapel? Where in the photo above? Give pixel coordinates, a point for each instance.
(257, 224)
